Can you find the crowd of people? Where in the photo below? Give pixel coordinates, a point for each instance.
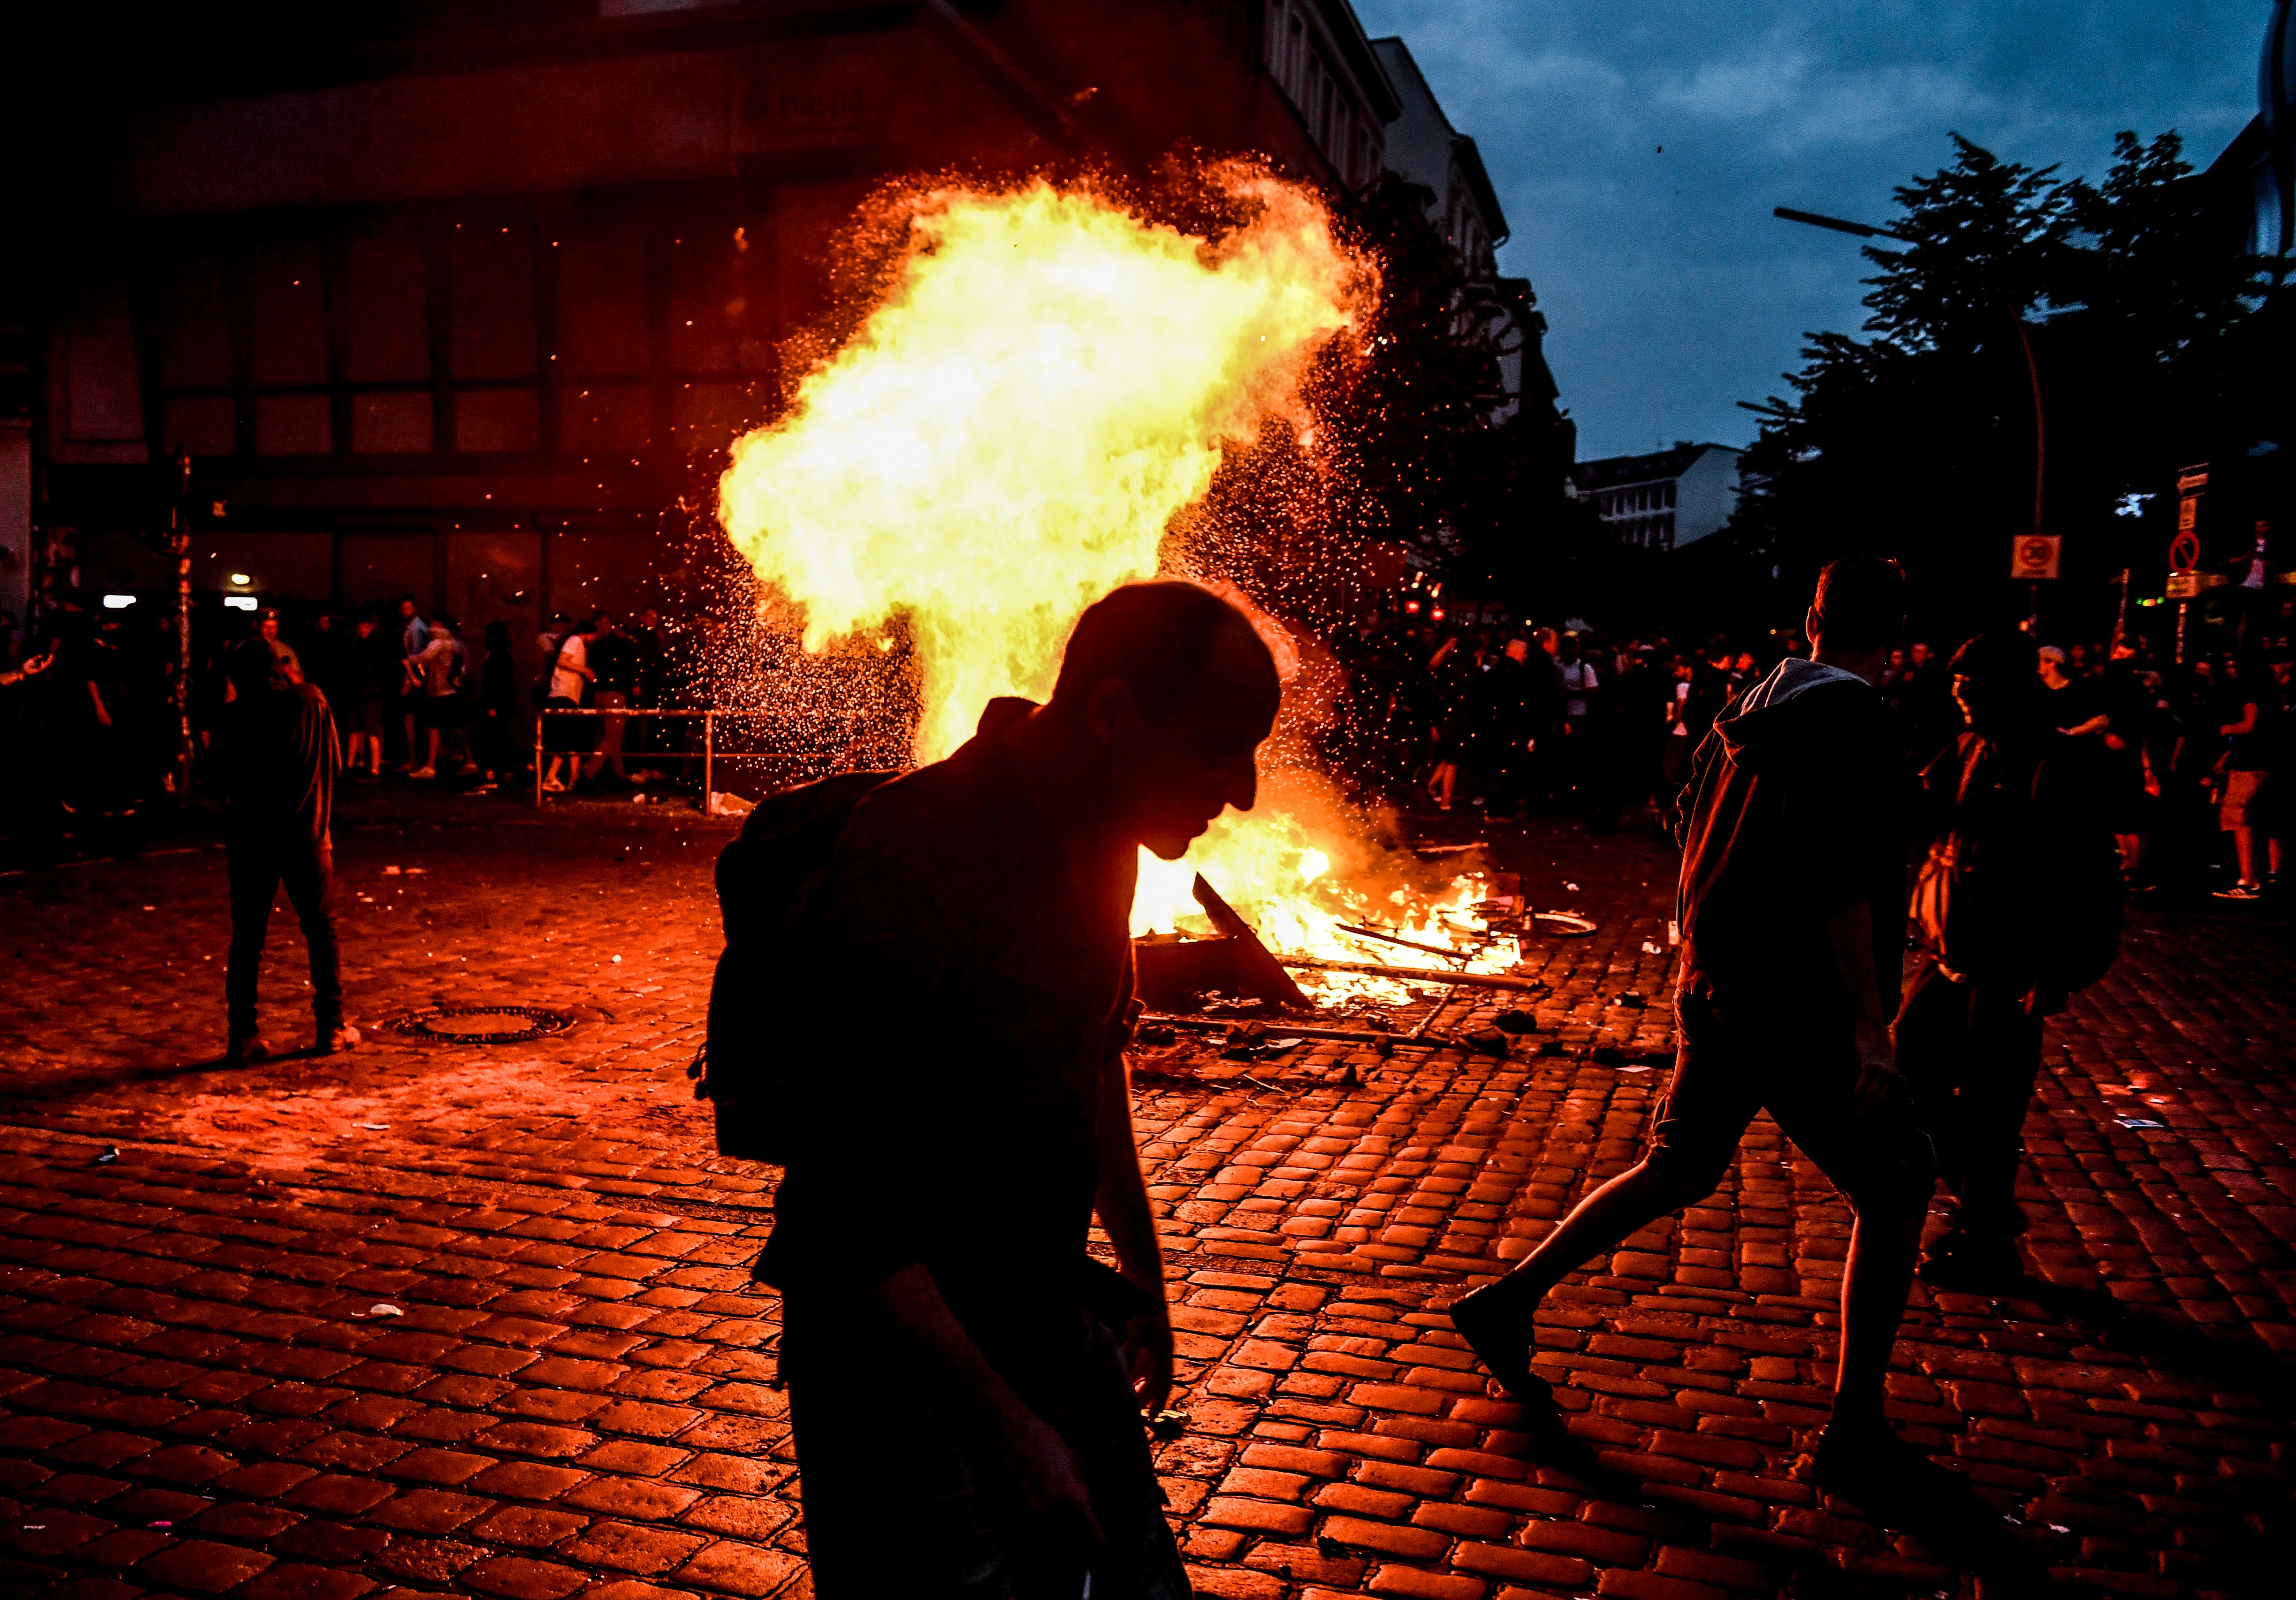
(93, 692)
(1486, 716)
(1502, 719)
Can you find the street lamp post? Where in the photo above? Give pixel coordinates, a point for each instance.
(179, 545)
(2024, 342)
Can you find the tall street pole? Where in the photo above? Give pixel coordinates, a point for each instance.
(179, 544)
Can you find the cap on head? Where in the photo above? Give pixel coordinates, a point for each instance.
(2052, 652)
(1156, 638)
(1860, 603)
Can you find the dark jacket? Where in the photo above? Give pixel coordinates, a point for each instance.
(1796, 810)
(2021, 887)
(959, 1129)
(277, 748)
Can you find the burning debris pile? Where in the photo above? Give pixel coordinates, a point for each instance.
(1047, 381)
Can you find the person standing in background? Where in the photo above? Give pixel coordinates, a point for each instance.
(497, 720)
(614, 666)
(413, 634)
(2017, 904)
(437, 671)
(276, 743)
(377, 655)
(1578, 683)
(570, 681)
(2247, 768)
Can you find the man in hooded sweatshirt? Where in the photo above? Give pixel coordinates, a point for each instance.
(1794, 916)
(275, 744)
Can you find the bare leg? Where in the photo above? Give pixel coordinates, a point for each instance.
(1875, 1281)
(1496, 1320)
(2243, 847)
(1446, 774)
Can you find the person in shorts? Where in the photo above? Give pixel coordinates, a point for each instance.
(1792, 907)
(435, 672)
(2249, 740)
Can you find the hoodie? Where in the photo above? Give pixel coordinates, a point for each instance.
(1796, 810)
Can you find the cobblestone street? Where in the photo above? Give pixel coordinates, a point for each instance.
(477, 1319)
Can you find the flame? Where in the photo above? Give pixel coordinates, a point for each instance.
(1298, 868)
(1048, 380)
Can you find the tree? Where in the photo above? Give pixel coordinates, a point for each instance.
(1917, 441)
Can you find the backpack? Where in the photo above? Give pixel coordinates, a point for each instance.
(753, 1041)
(2040, 906)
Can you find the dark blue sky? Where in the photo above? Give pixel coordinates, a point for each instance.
(1669, 289)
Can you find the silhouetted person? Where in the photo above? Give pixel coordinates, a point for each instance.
(1793, 915)
(964, 1424)
(275, 742)
(2017, 903)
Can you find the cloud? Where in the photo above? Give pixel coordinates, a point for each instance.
(1805, 105)
(1671, 292)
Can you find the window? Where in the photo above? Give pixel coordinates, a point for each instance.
(287, 296)
(581, 326)
(388, 336)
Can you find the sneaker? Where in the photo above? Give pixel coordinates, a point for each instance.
(341, 1036)
(244, 1049)
(1869, 1465)
(1503, 1344)
(424, 771)
(552, 786)
(487, 787)
(2241, 891)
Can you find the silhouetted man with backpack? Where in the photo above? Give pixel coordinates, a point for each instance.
(1794, 916)
(2016, 904)
(966, 1386)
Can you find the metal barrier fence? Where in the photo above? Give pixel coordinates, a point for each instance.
(710, 753)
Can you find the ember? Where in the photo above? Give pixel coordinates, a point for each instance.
(1047, 381)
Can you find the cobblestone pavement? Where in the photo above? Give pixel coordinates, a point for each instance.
(477, 1319)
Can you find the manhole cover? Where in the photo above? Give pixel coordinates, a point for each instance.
(482, 1024)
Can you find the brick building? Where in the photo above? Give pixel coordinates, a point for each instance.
(464, 300)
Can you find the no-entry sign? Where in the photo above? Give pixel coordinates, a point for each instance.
(2033, 556)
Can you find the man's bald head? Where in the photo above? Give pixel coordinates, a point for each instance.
(1166, 642)
(1167, 690)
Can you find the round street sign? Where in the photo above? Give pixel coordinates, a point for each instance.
(2184, 552)
(2033, 557)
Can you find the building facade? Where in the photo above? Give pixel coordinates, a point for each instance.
(1423, 148)
(1665, 500)
(467, 302)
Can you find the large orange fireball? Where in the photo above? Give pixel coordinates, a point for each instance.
(1047, 380)
(1004, 441)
